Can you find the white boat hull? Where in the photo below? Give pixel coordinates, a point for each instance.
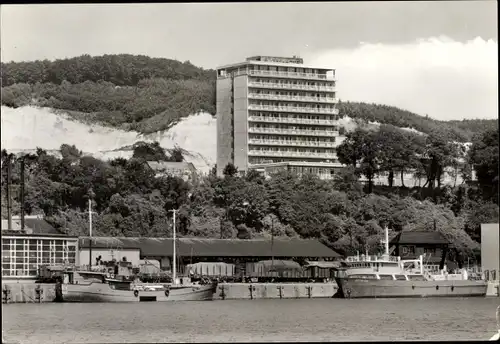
(103, 292)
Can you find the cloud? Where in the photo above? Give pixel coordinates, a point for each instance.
(436, 76)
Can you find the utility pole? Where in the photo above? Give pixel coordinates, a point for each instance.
(91, 195)
(174, 253)
(272, 243)
(22, 193)
(9, 194)
(387, 241)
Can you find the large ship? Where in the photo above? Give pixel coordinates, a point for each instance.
(385, 276)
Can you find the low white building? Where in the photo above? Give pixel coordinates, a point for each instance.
(39, 244)
(108, 249)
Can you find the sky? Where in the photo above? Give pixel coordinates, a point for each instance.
(433, 58)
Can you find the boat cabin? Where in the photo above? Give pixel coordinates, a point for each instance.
(90, 277)
(83, 277)
(382, 267)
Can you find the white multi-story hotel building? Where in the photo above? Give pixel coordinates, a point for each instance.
(275, 113)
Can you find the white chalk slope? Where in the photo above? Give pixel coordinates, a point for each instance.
(26, 128)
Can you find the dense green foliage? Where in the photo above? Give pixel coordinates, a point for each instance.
(461, 131)
(150, 106)
(484, 156)
(150, 94)
(390, 150)
(125, 91)
(147, 95)
(131, 201)
(121, 70)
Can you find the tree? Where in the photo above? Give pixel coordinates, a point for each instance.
(130, 200)
(347, 181)
(255, 176)
(483, 155)
(230, 170)
(349, 151)
(70, 153)
(176, 155)
(439, 153)
(477, 214)
(361, 150)
(398, 151)
(149, 151)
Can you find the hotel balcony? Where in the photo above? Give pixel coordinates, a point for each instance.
(291, 75)
(292, 120)
(305, 132)
(292, 154)
(297, 143)
(299, 109)
(290, 86)
(293, 98)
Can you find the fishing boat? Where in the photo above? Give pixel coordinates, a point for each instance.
(98, 286)
(385, 276)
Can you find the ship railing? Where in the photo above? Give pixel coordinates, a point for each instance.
(371, 258)
(428, 275)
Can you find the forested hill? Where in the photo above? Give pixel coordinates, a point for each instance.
(461, 131)
(150, 94)
(121, 70)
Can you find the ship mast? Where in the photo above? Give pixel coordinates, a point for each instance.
(91, 195)
(174, 253)
(386, 242)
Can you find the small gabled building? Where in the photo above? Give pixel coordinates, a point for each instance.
(185, 170)
(431, 244)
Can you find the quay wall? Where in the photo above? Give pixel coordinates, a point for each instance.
(40, 293)
(252, 291)
(493, 288)
(28, 292)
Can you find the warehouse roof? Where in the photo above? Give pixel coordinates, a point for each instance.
(32, 225)
(420, 237)
(216, 247)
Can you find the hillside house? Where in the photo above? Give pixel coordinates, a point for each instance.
(184, 170)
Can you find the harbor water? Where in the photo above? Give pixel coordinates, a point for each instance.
(253, 320)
